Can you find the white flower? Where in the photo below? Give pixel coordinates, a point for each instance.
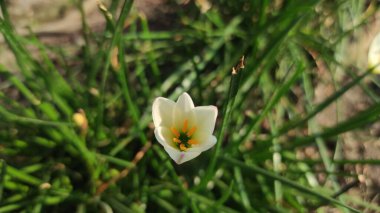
(374, 54)
(183, 130)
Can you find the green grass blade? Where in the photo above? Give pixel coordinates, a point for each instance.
(292, 184)
(323, 105)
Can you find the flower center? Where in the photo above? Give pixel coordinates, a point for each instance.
(183, 138)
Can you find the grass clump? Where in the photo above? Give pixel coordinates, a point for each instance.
(79, 136)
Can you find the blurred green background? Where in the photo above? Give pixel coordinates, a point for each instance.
(297, 128)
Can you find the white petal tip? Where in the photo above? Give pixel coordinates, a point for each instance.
(180, 159)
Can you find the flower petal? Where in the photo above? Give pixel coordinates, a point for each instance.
(163, 136)
(183, 109)
(374, 54)
(185, 102)
(205, 142)
(162, 112)
(182, 114)
(181, 157)
(205, 117)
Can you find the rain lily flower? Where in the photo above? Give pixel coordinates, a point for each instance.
(183, 130)
(374, 54)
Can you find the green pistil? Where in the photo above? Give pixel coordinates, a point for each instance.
(184, 139)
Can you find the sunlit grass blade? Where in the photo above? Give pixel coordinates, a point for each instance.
(22, 176)
(209, 55)
(313, 127)
(363, 118)
(227, 111)
(22, 88)
(323, 105)
(114, 40)
(292, 184)
(10, 117)
(243, 193)
(278, 94)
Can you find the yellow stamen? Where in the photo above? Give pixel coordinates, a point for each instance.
(192, 142)
(177, 140)
(191, 131)
(182, 147)
(184, 126)
(175, 131)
